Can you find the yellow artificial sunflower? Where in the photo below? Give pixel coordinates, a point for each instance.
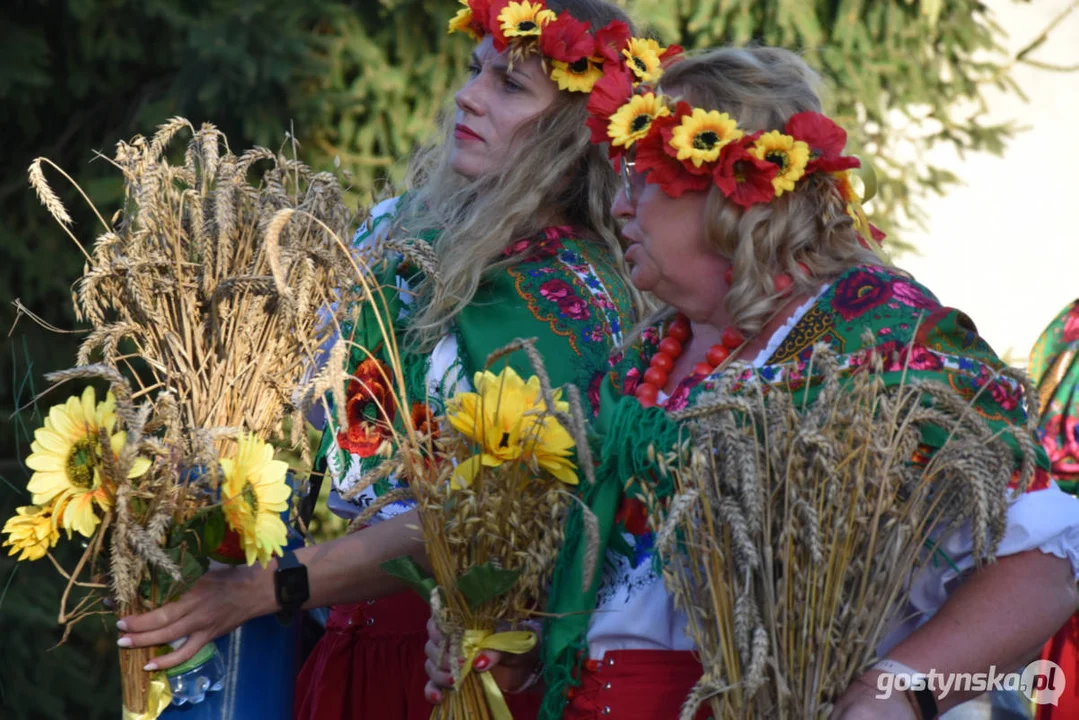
(642, 57)
(578, 76)
(66, 457)
(790, 155)
(524, 19)
(254, 494)
(462, 22)
(702, 135)
(508, 418)
(632, 121)
(31, 531)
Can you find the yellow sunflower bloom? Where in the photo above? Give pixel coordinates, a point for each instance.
(632, 121)
(66, 457)
(507, 417)
(578, 76)
(524, 19)
(31, 532)
(254, 494)
(790, 155)
(702, 135)
(642, 57)
(462, 22)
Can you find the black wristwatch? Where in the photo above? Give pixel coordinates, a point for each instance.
(290, 586)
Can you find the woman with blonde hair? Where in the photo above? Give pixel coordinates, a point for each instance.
(504, 232)
(740, 214)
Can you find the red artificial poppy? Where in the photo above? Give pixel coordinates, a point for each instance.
(611, 40)
(494, 26)
(610, 92)
(481, 16)
(672, 53)
(370, 409)
(743, 179)
(567, 39)
(826, 141)
(661, 167)
(423, 421)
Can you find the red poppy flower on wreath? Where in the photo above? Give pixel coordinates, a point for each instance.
(662, 168)
(826, 141)
(370, 409)
(744, 179)
(610, 93)
(481, 16)
(609, 43)
(567, 39)
(494, 25)
(670, 53)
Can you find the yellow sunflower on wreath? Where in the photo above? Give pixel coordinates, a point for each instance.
(579, 76)
(643, 58)
(31, 532)
(633, 120)
(462, 22)
(702, 135)
(254, 493)
(790, 155)
(68, 462)
(524, 19)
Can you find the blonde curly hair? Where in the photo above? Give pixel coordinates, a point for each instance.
(761, 87)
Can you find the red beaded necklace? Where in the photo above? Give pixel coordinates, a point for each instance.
(670, 349)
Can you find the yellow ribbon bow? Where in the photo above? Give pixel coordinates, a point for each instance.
(158, 699)
(516, 642)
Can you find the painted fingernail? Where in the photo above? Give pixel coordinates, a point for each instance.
(434, 696)
(150, 667)
(481, 663)
(451, 682)
(121, 626)
(124, 642)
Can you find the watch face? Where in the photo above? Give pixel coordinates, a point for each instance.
(290, 585)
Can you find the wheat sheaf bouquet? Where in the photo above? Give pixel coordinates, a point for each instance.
(492, 482)
(796, 527)
(202, 296)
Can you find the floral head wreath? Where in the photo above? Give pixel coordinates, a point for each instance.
(687, 148)
(573, 54)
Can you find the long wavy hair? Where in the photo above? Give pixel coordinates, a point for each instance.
(553, 172)
(761, 87)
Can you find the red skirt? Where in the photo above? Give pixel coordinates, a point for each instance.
(1063, 649)
(635, 685)
(369, 666)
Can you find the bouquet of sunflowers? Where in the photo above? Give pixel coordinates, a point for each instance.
(492, 498)
(202, 296)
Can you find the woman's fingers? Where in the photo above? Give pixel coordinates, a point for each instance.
(187, 651)
(432, 693)
(439, 676)
(486, 660)
(156, 619)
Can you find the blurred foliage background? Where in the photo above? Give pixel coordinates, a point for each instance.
(362, 83)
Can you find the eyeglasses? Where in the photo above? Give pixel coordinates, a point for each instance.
(628, 177)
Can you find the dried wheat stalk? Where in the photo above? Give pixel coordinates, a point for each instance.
(795, 532)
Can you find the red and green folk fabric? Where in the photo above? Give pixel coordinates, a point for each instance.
(557, 287)
(867, 310)
(1055, 372)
